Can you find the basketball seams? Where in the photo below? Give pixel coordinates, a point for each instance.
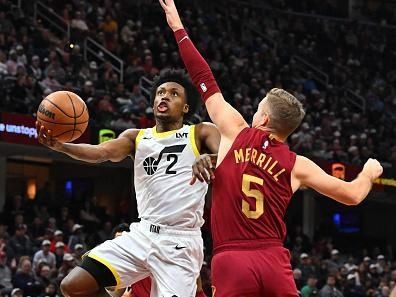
(46, 99)
(64, 132)
(74, 110)
(55, 123)
(83, 109)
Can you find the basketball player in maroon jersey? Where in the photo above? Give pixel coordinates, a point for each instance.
(255, 178)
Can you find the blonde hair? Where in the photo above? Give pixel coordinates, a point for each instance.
(285, 111)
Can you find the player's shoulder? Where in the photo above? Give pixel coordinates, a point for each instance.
(131, 134)
(205, 128)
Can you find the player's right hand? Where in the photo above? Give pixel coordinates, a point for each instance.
(45, 137)
(203, 168)
(172, 16)
(372, 169)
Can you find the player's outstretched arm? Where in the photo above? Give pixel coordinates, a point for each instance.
(307, 173)
(229, 121)
(113, 150)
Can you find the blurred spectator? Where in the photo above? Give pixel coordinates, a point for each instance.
(76, 237)
(58, 238)
(44, 255)
(5, 272)
(20, 244)
(310, 287)
(330, 290)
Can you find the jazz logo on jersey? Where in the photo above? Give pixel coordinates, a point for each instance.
(150, 164)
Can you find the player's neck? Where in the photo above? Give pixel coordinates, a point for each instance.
(273, 134)
(162, 126)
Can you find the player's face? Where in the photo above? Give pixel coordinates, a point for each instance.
(260, 118)
(170, 102)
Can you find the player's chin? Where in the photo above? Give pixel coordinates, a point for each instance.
(164, 116)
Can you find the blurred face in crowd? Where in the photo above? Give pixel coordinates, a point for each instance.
(331, 281)
(170, 102)
(312, 282)
(45, 271)
(46, 248)
(26, 266)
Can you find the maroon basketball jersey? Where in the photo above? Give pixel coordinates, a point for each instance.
(251, 192)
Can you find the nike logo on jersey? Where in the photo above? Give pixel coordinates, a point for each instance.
(145, 137)
(150, 164)
(180, 247)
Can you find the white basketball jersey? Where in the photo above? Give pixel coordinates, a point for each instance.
(162, 174)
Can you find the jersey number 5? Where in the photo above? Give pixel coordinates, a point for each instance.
(253, 193)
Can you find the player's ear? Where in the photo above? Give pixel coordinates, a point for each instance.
(186, 108)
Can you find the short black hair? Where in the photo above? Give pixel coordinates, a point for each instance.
(178, 76)
(123, 227)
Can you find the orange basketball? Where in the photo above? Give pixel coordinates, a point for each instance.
(65, 114)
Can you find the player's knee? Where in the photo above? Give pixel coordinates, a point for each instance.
(76, 285)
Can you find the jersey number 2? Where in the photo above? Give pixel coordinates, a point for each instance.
(175, 158)
(253, 193)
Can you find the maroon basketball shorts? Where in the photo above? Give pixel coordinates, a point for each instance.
(253, 273)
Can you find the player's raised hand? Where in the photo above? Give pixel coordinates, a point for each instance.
(172, 16)
(203, 168)
(45, 137)
(372, 169)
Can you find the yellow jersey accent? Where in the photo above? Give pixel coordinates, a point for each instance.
(162, 134)
(192, 140)
(108, 265)
(140, 134)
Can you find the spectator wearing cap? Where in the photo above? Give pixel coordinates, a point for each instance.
(76, 237)
(307, 290)
(306, 267)
(21, 57)
(5, 272)
(352, 288)
(16, 293)
(59, 253)
(34, 68)
(330, 290)
(78, 253)
(58, 237)
(20, 244)
(381, 263)
(12, 62)
(67, 265)
(335, 262)
(44, 254)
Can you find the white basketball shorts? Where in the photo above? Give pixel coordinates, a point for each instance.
(172, 257)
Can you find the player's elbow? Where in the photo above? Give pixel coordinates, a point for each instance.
(352, 198)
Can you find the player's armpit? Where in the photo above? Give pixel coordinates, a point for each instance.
(307, 173)
(227, 119)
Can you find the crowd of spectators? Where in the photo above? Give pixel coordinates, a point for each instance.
(38, 248)
(356, 57)
(40, 242)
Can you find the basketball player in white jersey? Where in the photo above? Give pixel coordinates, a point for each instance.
(166, 244)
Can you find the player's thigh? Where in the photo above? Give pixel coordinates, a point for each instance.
(124, 257)
(175, 266)
(79, 280)
(233, 275)
(276, 272)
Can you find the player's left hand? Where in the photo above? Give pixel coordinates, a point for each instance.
(203, 168)
(172, 16)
